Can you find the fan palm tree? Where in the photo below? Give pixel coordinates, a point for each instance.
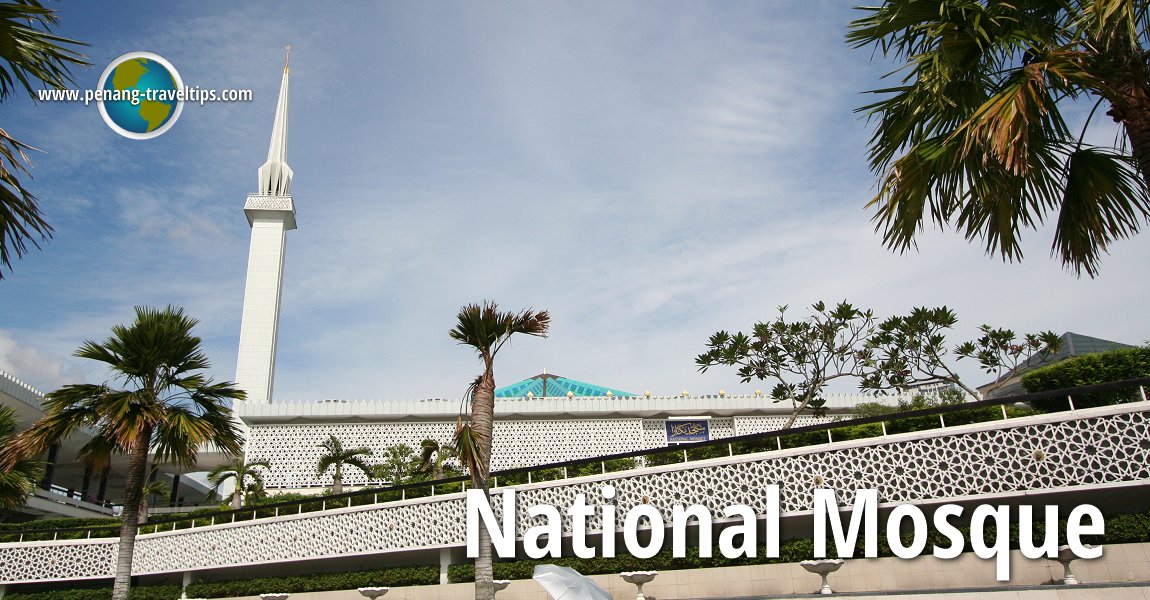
(974, 134)
(485, 329)
(19, 480)
(242, 473)
(30, 54)
(165, 405)
(337, 457)
(151, 488)
(432, 456)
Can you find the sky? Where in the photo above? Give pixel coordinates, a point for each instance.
(650, 173)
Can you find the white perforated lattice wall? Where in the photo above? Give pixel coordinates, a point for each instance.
(750, 425)
(293, 450)
(1052, 452)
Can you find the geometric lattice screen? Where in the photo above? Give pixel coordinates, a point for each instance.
(293, 450)
(979, 462)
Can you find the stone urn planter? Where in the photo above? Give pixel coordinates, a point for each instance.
(638, 578)
(274, 596)
(1065, 556)
(372, 592)
(823, 567)
(500, 584)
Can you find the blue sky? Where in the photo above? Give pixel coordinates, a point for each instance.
(648, 172)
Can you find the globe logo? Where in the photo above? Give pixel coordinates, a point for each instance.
(140, 95)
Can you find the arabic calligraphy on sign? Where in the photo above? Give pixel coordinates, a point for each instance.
(687, 431)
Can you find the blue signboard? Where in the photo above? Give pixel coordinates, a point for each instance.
(687, 431)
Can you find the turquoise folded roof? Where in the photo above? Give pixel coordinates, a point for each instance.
(548, 385)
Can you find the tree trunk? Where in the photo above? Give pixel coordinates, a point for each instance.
(1125, 70)
(134, 483)
(337, 484)
(1137, 124)
(482, 418)
(237, 495)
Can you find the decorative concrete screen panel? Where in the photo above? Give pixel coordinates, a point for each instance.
(751, 425)
(1063, 452)
(293, 450)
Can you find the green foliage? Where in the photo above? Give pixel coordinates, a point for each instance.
(801, 357)
(971, 135)
(398, 464)
(142, 592)
(899, 353)
(1101, 367)
(1128, 528)
(609, 466)
(436, 461)
(246, 476)
(392, 577)
(670, 457)
(863, 410)
(998, 352)
(337, 456)
(61, 523)
(907, 351)
(112, 524)
(31, 56)
(20, 479)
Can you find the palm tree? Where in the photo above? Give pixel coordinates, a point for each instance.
(974, 136)
(432, 456)
(31, 54)
(18, 481)
(337, 457)
(166, 406)
(486, 330)
(151, 488)
(244, 475)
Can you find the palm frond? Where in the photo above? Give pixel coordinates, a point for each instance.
(467, 447)
(1102, 203)
(20, 474)
(973, 137)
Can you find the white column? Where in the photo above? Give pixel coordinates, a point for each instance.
(255, 364)
(444, 562)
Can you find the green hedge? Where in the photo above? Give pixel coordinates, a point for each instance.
(1101, 367)
(112, 524)
(144, 592)
(60, 523)
(394, 577)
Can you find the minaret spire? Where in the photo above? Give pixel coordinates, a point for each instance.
(275, 174)
(271, 213)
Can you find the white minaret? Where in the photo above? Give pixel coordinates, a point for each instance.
(270, 214)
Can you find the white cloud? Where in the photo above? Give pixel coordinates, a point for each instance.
(649, 176)
(38, 368)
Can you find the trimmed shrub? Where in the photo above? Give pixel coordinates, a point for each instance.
(1101, 367)
(145, 592)
(393, 577)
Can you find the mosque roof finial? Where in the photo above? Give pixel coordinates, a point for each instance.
(275, 175)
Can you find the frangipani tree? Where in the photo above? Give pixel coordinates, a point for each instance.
(804, 356)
